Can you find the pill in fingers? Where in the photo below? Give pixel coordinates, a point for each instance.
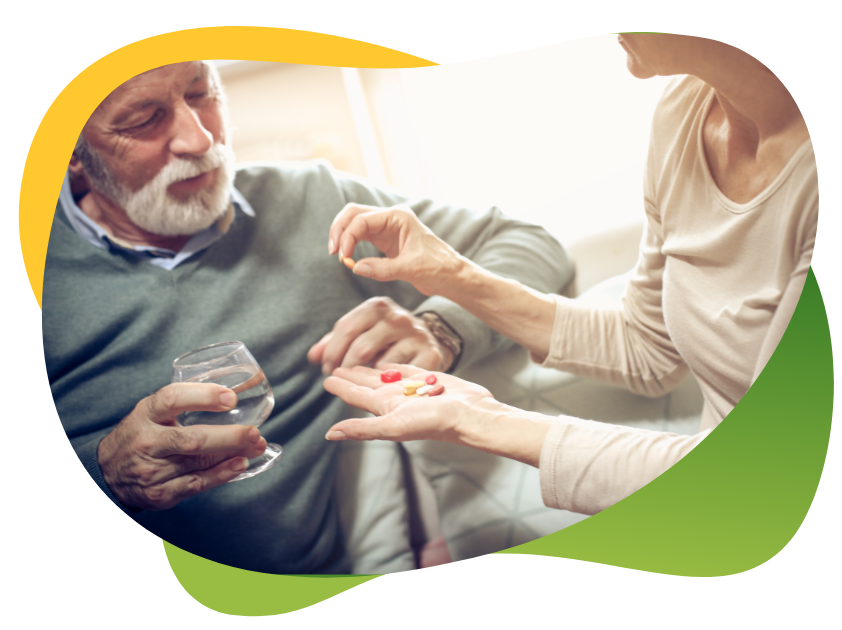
(349, 262)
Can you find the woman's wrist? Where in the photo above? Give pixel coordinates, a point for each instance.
(520, 313)
(493, 427)
(465, 281)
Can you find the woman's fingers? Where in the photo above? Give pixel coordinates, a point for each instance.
(394, 231)
(412, 252)
(340, 223)
(381, 226)
(360, 396)
(388, 427)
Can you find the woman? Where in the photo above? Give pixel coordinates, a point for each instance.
(731, 199)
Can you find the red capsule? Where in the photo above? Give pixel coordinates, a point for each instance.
(391, 376)
(431, 379)
(438, 389)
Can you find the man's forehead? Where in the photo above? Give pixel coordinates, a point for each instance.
(156, 83)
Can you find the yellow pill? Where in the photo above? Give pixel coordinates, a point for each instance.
(410, 387)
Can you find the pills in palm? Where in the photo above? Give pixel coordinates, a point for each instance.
(411, 387)
(390, 376)
(431, 379)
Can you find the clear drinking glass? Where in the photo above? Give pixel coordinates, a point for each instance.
(230, 364)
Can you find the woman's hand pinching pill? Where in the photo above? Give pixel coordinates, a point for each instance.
(349, 262)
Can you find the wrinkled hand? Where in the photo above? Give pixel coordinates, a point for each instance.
(379, 331)
(402, 418)
(150, 462)
(414, 253)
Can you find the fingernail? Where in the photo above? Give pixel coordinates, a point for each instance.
(330, 246)
(228, 398)
(327, 368)
(240, 464)
(362, 269)
(341, 255)
(253, 435)
(335, 436)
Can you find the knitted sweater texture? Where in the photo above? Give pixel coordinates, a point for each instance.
(113, 323)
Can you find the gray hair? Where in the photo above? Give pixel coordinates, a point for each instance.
(99, 174)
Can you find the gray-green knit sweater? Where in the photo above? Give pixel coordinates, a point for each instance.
(113, 324)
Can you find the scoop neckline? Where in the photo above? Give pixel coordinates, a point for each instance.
(725, 201)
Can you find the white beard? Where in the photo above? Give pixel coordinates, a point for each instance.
(154, 210)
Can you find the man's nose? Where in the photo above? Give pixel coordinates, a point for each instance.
(190, 137)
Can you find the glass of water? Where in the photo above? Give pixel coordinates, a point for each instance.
(230, 364)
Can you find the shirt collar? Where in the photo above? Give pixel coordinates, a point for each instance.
(94, 233)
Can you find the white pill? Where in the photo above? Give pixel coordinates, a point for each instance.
(423, 390)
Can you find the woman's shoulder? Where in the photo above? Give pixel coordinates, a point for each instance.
(683, 96)
(675, 117)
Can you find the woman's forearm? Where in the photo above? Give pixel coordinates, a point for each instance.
(522, 314)
(493, 427)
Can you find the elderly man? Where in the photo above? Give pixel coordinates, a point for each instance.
(159, 247)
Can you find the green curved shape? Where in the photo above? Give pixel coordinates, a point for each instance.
(739, 497)
(730, 505)
(250, 594)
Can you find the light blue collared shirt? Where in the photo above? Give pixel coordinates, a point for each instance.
(92, 232)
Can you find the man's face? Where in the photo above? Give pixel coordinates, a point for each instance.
(157, 147)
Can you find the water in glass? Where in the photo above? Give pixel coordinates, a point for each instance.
(254, 397)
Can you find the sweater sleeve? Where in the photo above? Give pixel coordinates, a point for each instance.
(628, 346)
(587, 466)
(509, 248)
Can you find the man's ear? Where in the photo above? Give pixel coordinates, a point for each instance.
(75, 167)
(79, 184)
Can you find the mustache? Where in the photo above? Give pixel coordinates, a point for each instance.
(180, 169)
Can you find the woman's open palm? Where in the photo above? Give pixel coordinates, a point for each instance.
(399, 417)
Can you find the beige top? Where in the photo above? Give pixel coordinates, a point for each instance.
(715, 286)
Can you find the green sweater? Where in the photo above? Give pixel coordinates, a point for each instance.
(113, 323)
